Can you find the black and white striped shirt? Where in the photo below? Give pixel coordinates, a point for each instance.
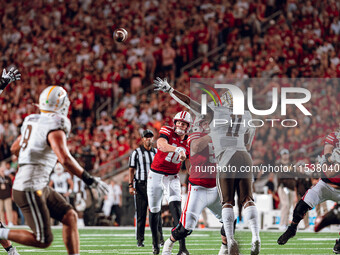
(141, 159)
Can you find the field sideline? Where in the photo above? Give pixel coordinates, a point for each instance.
(207, 241)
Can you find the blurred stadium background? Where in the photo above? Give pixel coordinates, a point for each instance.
(69, 43)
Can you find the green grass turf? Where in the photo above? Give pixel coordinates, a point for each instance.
(122, 241)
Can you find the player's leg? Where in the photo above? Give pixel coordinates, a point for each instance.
(141, 210)
(160, 231)
(11, 250)
(226, 190)
(70, 232)
(246, 199)
(214, 205)
(174, 199)
(189, 218)
(34, 208)
(250, 213)
(315, 195)
(332, 217)
(62, 211)
(155, 188)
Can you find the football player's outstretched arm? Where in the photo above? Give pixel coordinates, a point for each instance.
(57, 141)
(184, 100)
(15, 148)
(164, 146)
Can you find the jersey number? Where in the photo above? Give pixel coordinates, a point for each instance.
(234, 132)
(27, 135)
(173, 157)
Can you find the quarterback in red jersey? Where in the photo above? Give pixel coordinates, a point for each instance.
(327, 188)
(163, 176)
(202, 187)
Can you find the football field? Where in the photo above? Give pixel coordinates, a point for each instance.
(122, 241)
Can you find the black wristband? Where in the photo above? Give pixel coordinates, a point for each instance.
(130, 185)
(87, 178)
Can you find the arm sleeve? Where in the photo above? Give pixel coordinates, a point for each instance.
(132, 162)
(164, 136)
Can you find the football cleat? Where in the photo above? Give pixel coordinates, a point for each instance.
(255, 248)
(290, 232)
(13, 251)
(223, 249)
(332, 217)
(336, 248)
(183, 252)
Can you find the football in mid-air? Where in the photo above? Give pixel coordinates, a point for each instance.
(120, 35)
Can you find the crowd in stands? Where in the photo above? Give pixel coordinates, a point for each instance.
(70, 43)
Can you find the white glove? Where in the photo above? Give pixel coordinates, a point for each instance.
(101, 187)
(7, 78)
(162, 85)
(335, 156)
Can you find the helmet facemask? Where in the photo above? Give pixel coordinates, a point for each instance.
(227, 99)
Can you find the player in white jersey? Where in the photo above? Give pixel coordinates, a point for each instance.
(231, 137)
(7, 78)
(42, 142)
(61, 181)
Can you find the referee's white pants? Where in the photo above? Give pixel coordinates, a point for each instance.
(198, 198)
(320, 193)
(158, 184)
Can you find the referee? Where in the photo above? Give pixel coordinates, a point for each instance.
(139, 166)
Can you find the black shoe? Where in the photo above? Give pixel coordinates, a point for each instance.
(140, 243)
(336, 248)
(155, 249)
(183, 251)
(290, 232)
(2, 225)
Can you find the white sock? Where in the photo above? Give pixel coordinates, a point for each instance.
(228, 223)
(4, 233)
(251, 216)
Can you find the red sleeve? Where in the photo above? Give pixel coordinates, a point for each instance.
(193, 137)
(165, 130)
(331, 139)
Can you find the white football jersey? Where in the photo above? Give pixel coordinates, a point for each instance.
(79, 186)
(228, 131)
(36, 157)
(60, 182)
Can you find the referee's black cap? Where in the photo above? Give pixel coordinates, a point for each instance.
(147, 132)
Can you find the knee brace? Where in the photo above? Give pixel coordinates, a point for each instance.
(179, 232)
(300, 210)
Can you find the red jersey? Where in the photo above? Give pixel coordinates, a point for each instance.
(202, 163)
(332, 139)
(168, 162)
